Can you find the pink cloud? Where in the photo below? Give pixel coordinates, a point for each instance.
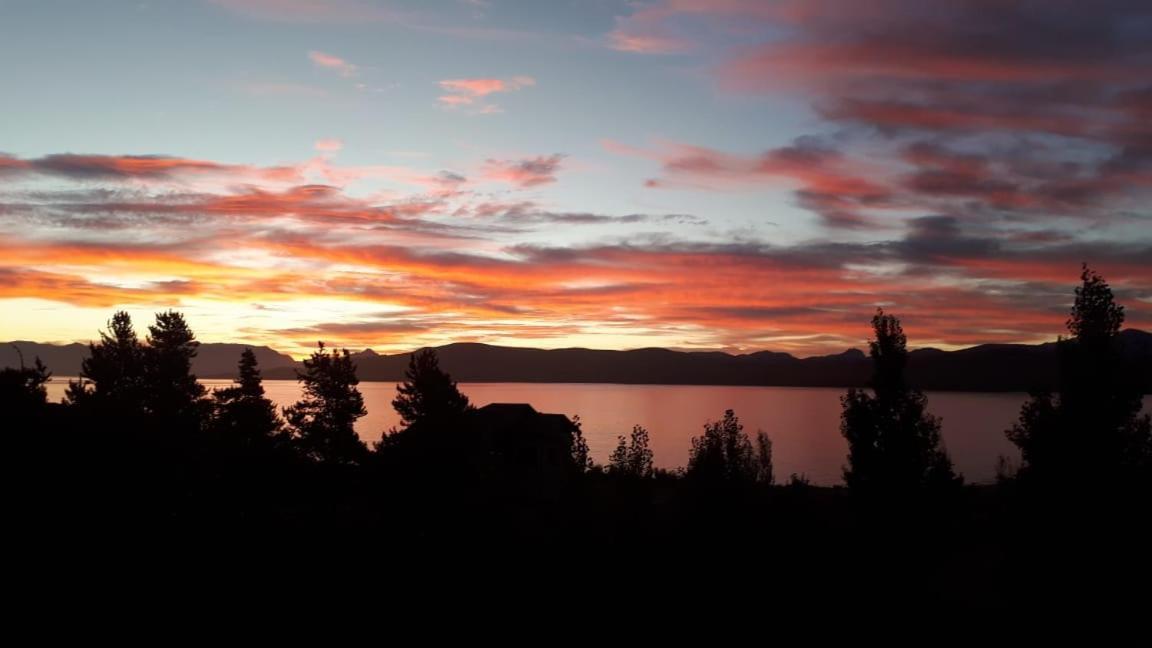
(456, 100)
(331, 62)
(466, 92)
(329, 144)
(529, 172)
(474, 87)
(840, 190)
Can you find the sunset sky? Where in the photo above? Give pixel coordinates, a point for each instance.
(724, 174)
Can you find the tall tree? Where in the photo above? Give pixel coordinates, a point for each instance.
(1091, 431)
(322, 423)
(113, 373)
(428, 393)
(893, 442)
(243, 412)
(173, 392)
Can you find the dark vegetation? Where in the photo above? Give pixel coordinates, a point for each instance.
(139, 457)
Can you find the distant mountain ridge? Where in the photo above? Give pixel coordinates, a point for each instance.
(213, 360)
(988, 367)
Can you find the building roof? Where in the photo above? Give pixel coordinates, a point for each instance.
(521, 416)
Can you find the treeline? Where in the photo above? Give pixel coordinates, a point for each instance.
(1090, 430)
(137, 441)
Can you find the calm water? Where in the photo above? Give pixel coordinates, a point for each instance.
(803, 422)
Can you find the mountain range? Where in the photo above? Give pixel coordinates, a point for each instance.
(987, 367)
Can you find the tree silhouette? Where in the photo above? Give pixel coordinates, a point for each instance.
(893, 442)
(581, 457)
(632, 457)
(22, 390)
(113, 373)
(724, 454)
(428, 393)
(172, 390)
(1090, 432)
(243, 412)
(764, 471)
(322, 423)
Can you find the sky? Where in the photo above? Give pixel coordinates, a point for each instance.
(728, 174)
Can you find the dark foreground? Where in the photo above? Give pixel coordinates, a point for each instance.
(146, 503)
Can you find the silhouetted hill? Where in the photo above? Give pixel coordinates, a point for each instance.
(213, 360)
(988, 367)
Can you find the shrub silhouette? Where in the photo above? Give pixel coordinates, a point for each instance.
(632, 457)
(581, 457)
(1091, 431)
(322, 423)
(22, 393)
(724, 455)
(764, 471)
(893, 442)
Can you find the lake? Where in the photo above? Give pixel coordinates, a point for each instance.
(803, 422)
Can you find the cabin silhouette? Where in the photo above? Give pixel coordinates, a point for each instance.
(522, 440)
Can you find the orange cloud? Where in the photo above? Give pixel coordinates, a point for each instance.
(432, 276)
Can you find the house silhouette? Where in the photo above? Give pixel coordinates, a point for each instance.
(519, 439)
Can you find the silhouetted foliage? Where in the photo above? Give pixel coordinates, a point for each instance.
(428, 393)
(1096, 318)
(1091, 431)
(172, 390)
(322, 423)
(113, 373)
(498, 475)
(581, 458)
(242, 412)
(724, 455)
(893, 442)
(22, 390)
(632, 457)
(764, 471)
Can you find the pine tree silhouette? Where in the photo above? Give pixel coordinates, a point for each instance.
(243, 412)
(322, 423)
(173, 392)
(113, 373)
(428, 393)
